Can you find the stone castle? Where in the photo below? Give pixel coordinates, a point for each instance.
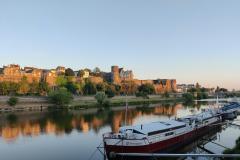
(14, 73)
(118, 76)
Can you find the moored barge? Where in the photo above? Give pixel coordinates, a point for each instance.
(160, 136)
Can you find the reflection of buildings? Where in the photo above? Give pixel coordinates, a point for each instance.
(119, 117)
(10, 133)
(117, 121)
(82, 123)
(169, 111)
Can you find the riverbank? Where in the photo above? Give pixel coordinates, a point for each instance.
(80, 102)
(90, 102)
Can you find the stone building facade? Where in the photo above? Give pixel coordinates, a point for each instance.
(13, 73)
(160, 85)
(60, 70)
(119, 76)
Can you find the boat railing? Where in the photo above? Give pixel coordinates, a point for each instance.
(108, 135)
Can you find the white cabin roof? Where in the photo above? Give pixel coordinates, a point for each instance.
(154, 126)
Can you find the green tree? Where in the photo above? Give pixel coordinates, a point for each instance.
(223, 90)
(217, 89)
(102, 99)
(142, 94)
(117, 89)
(89, 88)
(69, 72)
(34, 87)
(147, 88)
(24, 86)
(129, 87)
(4, 88)
(198, 86)
(96, 70)
(202, 95)
(81, 73)
(13, 88)
(80, 87)
(100, 87)
(8, 88)
(43, 88)
(60, 97)
(188, 97)
(12, 101)
(72, 87)
(61, 81)
(110, 91)
(192, 90)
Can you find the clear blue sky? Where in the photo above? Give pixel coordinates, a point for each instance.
(192, 41)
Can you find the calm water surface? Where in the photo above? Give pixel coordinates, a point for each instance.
(74, 135)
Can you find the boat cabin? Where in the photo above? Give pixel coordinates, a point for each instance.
(154, 128)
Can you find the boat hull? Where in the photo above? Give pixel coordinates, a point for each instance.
(165, 145)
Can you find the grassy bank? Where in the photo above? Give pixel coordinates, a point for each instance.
(121, 101)
(81, 102)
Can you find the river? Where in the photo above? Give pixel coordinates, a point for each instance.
(74, 135)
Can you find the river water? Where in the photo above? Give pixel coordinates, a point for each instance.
(74, 135)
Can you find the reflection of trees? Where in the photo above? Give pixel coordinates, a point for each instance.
(12, 119)
(60, 122)
(194, 104)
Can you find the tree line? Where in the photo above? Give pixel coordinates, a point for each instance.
(66, 87)
(24, 88)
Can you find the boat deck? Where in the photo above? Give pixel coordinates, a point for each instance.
(155, 126)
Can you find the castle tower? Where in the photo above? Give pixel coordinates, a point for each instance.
(115, 74)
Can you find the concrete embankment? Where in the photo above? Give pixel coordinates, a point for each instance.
(24, 103)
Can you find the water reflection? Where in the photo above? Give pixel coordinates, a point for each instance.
(63, 134)
(64, 122)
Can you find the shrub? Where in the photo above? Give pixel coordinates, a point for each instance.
(89, 88)
(166, 95)
(102, 99)
(12, 101)
(60, 97)
(202, 95)
(147, 88)
(100, 87)
(71, 87)
(188, 97)
(69, 72)
(142, 94)
(110, 93)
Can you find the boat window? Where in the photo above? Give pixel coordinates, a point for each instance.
(169, 134)
(137, 132)
(167, 124)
